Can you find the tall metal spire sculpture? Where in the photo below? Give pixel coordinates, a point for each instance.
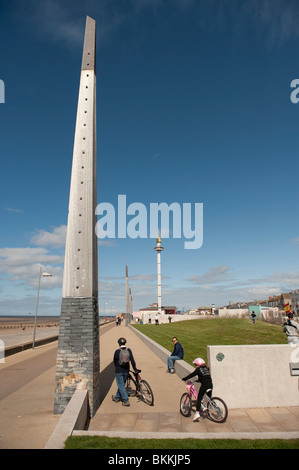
(78, 344)
(127, 298)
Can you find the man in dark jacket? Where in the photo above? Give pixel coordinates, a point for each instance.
(122, 371)
(177, 354)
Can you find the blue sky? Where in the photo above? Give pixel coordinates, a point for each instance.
(193, 106)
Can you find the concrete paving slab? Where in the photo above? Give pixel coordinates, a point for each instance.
(170, 422)
(294, 410)
(264, 420)
(147, 422)
(241, 422)
(199, 427)
(286, 418)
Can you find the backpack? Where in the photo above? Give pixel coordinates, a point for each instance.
(124, 357)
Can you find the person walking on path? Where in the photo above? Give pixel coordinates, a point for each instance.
(291, 328)
(122, 358)
(176, 355)
(253, 316)
(204, 377)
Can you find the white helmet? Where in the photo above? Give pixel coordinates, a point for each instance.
(199, 362)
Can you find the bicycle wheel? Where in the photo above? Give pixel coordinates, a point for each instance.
(146, 392)
(217, 410)
(185, 405)
(131, 386)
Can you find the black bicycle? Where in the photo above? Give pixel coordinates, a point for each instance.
(136, 386)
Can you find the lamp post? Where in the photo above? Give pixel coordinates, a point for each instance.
(39, 277)
(105, 303)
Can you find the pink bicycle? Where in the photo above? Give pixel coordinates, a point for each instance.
(215, 408)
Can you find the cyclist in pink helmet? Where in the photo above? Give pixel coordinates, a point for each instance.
(199, 362)
(204, 377)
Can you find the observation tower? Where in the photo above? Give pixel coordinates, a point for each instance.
(158, 249)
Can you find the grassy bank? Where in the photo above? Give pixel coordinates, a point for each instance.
(103, 442)
(196, 335)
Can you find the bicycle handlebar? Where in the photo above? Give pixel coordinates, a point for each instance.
(137, 371)
(191, 382)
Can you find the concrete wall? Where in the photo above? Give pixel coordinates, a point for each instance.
(164, 318)
(255, 376)
(269, 315)
(74, 417)
(272, 316)
(223, 313)
(233, 313)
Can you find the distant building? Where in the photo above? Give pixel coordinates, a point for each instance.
(295, 299)
(137, 315)
(205, 310)
(167, 310)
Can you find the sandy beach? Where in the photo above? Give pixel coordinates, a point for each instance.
(19, 330)
(13, 324)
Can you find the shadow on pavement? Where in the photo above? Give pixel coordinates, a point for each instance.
(106, 379)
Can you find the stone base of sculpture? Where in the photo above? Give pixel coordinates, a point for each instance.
(78, 356)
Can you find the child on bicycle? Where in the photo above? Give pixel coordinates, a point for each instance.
(204, 377)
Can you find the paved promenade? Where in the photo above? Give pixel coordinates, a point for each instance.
(26, 409)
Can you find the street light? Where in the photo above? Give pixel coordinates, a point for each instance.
(40, 275)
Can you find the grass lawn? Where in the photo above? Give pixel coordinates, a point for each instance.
(103, 442)
(196, 335)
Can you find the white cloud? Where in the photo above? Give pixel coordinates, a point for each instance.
(214, 275)
(54, 239)
(23, 264)
(16, 211)
(279, 18)
(53, 19)
(63, 21)
(27, 305)
(14, 257)
(289, 280)
(110, 243)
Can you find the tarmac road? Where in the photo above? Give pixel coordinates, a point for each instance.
(33, 364)
(27, 396)
(27, 370)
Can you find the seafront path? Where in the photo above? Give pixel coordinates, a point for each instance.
(27, 397)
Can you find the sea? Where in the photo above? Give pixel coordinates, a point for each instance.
(11, 319)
